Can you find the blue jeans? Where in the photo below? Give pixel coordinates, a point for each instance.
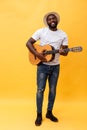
(44, 73)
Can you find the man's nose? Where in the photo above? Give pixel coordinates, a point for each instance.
(52, 20)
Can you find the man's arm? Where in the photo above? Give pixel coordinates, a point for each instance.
(31, 48)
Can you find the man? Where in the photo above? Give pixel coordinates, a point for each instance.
(48, 70)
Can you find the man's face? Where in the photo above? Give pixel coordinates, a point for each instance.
(52, 21)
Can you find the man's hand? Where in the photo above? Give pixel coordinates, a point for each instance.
(41, 57)
(63, 51)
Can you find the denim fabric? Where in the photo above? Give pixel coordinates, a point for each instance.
(44, 73)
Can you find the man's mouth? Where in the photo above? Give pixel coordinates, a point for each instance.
(52, 23)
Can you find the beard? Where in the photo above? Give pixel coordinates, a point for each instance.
(53, 25)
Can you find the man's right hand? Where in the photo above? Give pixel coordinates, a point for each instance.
(41, 57)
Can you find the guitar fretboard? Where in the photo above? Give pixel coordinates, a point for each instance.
(56, 51)
(51, 52)
(73, 49)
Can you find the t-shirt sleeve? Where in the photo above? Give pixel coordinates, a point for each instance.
(65, 41)
(36, 35)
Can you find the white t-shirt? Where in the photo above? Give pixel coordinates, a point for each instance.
(53, 38)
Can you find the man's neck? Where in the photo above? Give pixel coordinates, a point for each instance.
(53, 29)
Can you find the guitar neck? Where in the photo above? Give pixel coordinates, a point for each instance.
(56, 51)
(51, 52)
(73, 49)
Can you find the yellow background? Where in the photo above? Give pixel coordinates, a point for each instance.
(18, 20)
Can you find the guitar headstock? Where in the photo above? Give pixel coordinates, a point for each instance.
(76, 49)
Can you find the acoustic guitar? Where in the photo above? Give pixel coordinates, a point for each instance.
(49, 52)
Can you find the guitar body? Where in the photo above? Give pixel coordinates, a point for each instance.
(35, 60)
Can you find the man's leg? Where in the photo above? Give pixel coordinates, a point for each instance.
(41, 83)
(53, 78)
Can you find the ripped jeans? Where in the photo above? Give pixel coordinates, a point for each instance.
(44, 73)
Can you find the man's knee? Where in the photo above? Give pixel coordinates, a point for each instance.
(40, 90)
